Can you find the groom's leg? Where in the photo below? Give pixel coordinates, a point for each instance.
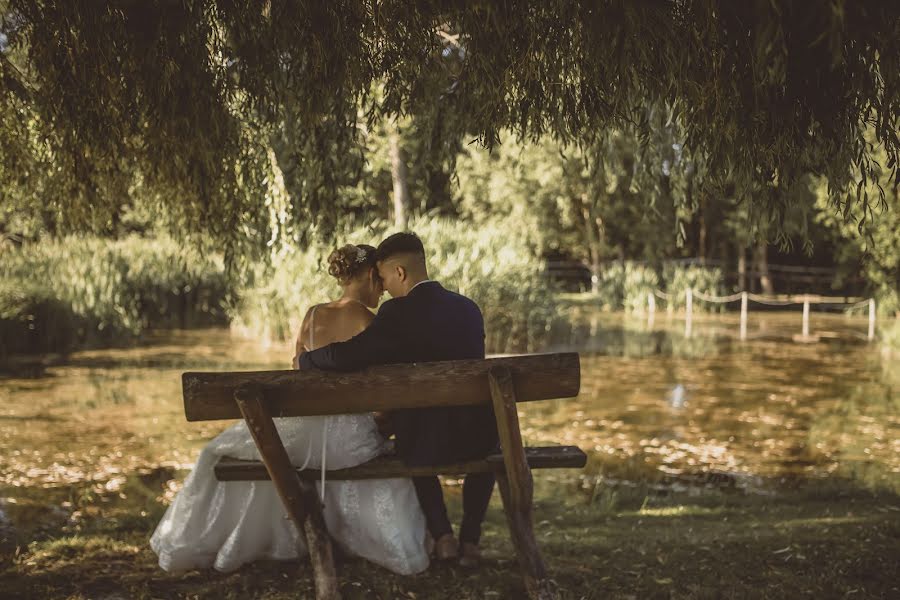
(431, 498)
(477, 491)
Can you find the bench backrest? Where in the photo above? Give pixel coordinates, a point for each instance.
(210, 396)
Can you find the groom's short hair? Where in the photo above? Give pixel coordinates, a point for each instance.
(400, 243)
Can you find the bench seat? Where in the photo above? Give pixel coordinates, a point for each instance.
(541, 457)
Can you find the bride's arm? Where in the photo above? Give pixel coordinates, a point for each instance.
(382, 417)
(299, 346)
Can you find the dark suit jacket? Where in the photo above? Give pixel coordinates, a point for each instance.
(429, 324)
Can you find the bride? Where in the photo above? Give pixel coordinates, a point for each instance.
(227, 524)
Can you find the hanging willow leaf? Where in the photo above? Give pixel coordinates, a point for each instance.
(183, 100)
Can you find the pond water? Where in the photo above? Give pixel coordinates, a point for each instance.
(655, 407)
(711, 409)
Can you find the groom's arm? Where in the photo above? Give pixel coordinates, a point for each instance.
(374, 345)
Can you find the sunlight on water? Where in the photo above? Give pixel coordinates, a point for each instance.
(654, 407)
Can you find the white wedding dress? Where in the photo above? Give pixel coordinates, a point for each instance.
(224, 525)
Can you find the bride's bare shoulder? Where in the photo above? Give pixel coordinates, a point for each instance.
(359, 313)
(345, 311)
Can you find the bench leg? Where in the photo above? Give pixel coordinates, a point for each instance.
(517, 488)
(318, 542)
(299, 497)
(521, 531)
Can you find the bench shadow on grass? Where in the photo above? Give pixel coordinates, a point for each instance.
(820, 540)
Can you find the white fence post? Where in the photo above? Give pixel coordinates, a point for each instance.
(743, 316)
(689, 310)
(651, 308)
(871, 319)
(805, 316)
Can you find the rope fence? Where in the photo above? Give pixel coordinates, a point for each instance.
(746, 297)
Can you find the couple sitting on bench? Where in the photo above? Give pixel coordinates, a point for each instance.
(400, 519)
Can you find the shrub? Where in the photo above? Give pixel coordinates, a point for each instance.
(705, 280)
(625, 285)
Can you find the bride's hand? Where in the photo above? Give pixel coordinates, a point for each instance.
(383, 423)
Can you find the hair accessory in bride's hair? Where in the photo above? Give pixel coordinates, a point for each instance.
(350, 260)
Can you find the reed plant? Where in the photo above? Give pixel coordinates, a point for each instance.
(57, 295)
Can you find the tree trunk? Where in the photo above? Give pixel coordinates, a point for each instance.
(400, 176)
(762, 266)
(701, 241)
(593, 234)
(595, 270)
(742, 270)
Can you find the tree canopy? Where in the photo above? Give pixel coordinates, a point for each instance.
(179, 103)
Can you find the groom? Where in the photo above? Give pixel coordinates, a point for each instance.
(422, 323)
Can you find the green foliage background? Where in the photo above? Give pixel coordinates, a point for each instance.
(873, 242)
(492, 264)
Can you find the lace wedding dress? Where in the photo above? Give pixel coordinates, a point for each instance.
(224, 525)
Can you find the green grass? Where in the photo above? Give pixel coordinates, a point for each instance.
(814, 542)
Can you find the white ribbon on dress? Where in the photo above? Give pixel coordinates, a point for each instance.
(312, 318)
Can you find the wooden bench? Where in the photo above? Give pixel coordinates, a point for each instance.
(261, 395)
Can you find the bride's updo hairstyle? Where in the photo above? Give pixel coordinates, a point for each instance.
(348, 261)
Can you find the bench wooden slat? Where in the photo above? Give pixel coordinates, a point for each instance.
(210, 396)
(542, 457)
